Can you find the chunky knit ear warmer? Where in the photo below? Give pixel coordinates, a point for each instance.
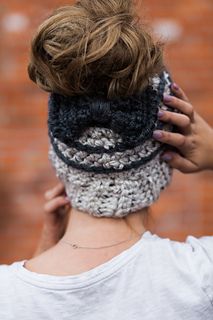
(103, 150)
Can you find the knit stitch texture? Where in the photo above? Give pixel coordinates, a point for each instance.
(103, 150)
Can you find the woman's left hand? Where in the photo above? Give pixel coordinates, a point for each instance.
(193, 142)
(56, 214)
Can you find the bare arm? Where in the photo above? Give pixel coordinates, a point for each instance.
(56, 211)
(194, 142)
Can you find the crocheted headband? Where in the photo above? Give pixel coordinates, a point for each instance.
(103, 150)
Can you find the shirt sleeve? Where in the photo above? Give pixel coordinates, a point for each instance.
(202, 260)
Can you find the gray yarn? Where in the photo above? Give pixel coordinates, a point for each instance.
(119, 193)
(116, 160)
(114, 195)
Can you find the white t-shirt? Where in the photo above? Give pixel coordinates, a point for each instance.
(155, 279)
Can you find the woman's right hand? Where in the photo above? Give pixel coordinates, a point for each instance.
(56, 215)
(194, 142)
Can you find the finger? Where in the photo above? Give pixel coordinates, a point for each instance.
(174, 139)
(178, 162)
(179, 104)
(59, 189)
(55, 204)
(179, 93)
(177, 119)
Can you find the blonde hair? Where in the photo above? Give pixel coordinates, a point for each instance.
(94, 46)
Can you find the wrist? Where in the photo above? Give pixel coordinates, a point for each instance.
(209, 152)
(49, 237)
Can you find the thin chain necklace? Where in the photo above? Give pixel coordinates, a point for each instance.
(76, 246)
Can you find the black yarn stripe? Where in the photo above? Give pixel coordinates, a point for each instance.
(121, 147)
(133, 165)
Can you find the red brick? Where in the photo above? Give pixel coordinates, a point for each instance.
(185, 208)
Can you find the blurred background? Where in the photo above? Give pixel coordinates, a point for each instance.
(25, 173)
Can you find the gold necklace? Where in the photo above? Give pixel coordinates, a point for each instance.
(76, 246)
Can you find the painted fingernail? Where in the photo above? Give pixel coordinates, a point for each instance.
(175, 86)
(167, 98)
(167, 157)
(161, 113)
(158, 134)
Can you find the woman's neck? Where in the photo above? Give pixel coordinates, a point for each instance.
(87, 230)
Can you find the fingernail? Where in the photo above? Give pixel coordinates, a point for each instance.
(158, 134)
(167, 157)
(175, 86)
(67, 199)
(167, 98)
(161, 113)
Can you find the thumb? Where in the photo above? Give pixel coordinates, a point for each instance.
(178, 162)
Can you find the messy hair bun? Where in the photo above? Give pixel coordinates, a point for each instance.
(94, 46)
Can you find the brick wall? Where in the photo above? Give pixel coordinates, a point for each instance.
(186, 208)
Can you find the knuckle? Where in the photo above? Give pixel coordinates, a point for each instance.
(190, 109)
(56, 203)
(167, 137)
(186, 121)
(60, 200)
(192, 143)
(174, 100)
(181, 142)
(168, 117)
(164, 115)
(179, 165)
(183, 96)
(54, 191)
